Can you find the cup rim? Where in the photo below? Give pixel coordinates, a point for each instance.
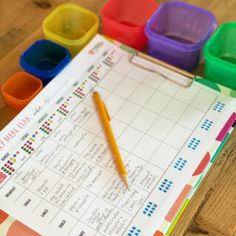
(66, 40)
(18, 101)
(206, 51)
(192, 46)
(45, 73)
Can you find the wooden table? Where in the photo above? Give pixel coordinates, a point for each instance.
(212, 211)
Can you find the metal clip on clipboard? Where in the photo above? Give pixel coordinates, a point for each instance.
(169, 72)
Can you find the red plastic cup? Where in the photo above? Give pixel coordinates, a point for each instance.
(124, 20)
(20, 89)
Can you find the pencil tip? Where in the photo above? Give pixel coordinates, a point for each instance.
(125, 180)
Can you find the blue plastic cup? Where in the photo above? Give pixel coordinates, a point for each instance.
(177, 32)
(44, 59)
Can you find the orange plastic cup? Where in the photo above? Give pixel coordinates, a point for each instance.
(20, 89)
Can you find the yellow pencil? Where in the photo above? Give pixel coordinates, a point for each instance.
(105, 119)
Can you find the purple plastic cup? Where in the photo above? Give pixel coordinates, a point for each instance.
(177, 31)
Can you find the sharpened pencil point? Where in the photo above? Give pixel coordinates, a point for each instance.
(125, 180)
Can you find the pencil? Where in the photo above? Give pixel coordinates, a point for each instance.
(105, 120)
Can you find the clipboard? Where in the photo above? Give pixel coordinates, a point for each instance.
(98, 60)
(185, 80)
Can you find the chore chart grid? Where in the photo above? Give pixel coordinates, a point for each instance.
(61, 171)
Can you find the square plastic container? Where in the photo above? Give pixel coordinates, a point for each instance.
(20, 89)
(220, 56)
(176, 33)
(45, 59)
(124, 20)
(71, 26)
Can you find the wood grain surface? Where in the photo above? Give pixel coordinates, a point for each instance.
(212, 210)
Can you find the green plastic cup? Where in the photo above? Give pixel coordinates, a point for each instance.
(220, 56)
